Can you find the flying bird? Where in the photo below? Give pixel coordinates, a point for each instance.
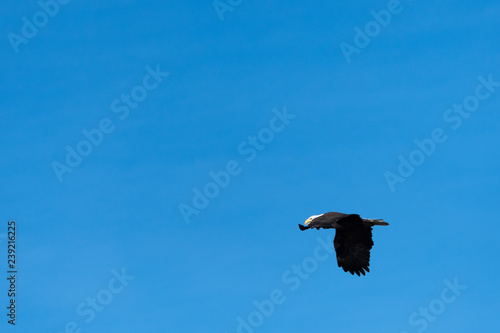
(353, 238)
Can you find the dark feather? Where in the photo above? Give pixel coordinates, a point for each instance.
(353, 246)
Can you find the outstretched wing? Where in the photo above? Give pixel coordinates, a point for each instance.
(353, 246)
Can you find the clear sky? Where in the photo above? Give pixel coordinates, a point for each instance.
(158, 156)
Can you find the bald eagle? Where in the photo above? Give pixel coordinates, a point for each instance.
(353, 239)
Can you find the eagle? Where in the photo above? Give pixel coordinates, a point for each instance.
(353, 239)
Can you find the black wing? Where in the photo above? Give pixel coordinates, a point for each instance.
(353, 246)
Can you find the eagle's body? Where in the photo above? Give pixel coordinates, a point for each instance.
(353, 239)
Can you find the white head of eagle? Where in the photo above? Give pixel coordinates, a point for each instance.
(312, 218)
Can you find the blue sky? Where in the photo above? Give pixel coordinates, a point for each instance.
(265, 90)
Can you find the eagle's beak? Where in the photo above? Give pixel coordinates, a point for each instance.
(307, 221)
